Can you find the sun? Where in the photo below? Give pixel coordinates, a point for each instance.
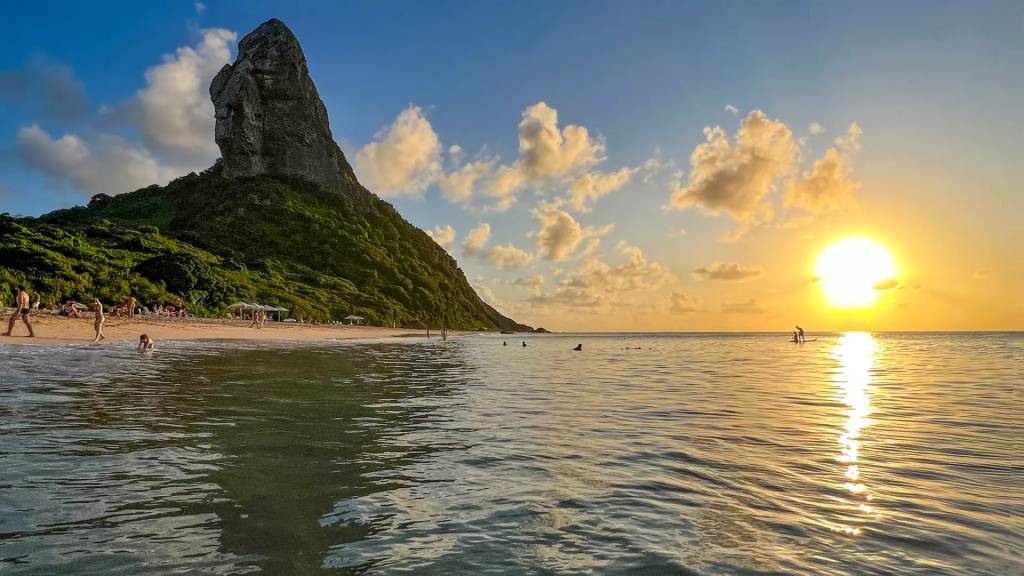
(853, 271)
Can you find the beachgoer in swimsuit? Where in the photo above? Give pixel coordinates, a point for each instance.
(21, 310)
(99, 320)
(145, 343)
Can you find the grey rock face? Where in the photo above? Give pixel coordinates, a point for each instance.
(270, 119)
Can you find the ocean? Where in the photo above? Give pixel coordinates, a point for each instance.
(889, 453)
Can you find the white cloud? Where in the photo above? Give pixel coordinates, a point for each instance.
(403, 159)
(591, 186)
(730, 272)
(508, 257)
(736, 178)
(544, 151)
(732, 109)
(548, 155)
(174, 112)
(110, 165)
(596, 284)
(559, 234)
(827, 186)
(535, 283)
(459, 185)
(682, 303)
(443, 235)
(815, 129)
(476, 239)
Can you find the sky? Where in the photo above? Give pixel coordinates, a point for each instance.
(593, 166)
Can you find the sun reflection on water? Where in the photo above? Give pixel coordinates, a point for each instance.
(855, 353)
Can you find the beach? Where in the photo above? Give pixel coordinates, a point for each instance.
(51, 330)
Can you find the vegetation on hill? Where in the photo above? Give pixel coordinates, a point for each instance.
(212, 241)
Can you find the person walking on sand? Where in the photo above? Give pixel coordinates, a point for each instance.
(800, 331)
(21, 310)
(99, 320)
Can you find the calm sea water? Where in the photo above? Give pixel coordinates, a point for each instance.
(696, 454)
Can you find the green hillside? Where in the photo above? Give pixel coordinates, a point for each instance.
(277, 240)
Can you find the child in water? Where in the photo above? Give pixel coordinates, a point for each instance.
(145, 343)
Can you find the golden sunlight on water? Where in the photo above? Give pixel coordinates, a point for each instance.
(855, 352)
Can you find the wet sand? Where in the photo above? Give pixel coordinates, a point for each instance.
(62, 330)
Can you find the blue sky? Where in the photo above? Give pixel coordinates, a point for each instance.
(934, 87)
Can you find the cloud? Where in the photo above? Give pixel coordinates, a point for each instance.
(827, 186)
(487, 295)
(548, 155)
(736, 178)
(596, 284)
(476, 239)
(404, 158)
(749, 307)
(730, 272)
(110, 165)
(559, 234)
(50, 89)
(544, 151)
(174, 112)
(815, 129)
(592, 186)
(508, 257)
(677, 233)
(199, 7)
(535, 283)
(681, 303)
(732, 109)
(459, 185)
(443, 235)
(887, 284)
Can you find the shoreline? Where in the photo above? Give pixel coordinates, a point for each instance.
(60, 330)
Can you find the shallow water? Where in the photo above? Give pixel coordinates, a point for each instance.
(695, 454)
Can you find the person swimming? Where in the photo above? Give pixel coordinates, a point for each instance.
(524, 343)
(578, 348)
(505, 343)
(145, 343)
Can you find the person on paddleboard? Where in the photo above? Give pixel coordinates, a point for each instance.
(801, 333)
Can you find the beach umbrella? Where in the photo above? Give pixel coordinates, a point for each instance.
(81, 306)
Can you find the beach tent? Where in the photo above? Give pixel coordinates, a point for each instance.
(279, 311)
(354, 319)
(241, 306)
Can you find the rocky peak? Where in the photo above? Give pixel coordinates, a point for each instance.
(270, 119)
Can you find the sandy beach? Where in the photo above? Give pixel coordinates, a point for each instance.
(62, 330)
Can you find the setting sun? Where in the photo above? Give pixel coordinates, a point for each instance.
(853, 271)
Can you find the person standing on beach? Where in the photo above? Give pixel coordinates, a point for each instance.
(131, 304)
(99, 320)
(21, 310)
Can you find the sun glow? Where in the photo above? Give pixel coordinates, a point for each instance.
(852, 272)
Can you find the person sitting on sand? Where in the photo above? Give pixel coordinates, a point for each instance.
(145, 343)
(98, 306)
(21, 310)
(181, 308)
(578, 348)
(524, 343)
